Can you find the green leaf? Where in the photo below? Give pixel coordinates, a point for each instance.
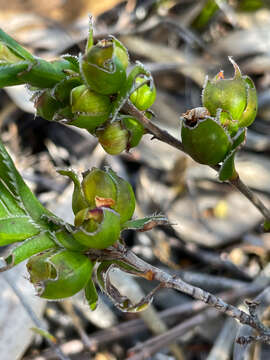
(45, 334)
(21, 214)
(12, 44)
(30, 247)
(146, 223)
(9, 73)
(91, 294)
(227, 169)
(14, 183)
(16, 228)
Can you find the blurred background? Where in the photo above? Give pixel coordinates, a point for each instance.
(215, 241)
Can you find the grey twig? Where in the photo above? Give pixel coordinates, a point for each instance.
(172, 315)
(152, 273)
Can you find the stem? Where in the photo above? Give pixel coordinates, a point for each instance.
(165, 137)
(247, 192)
(166, 280)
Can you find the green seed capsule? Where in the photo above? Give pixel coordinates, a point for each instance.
(90, 109)
(46, 105)
(100, 189)
(144, 96)
(100, 228)
(103, 67)
(236, 97)
(204, 138)
(98, 183)
(57, 274)
(114, 138)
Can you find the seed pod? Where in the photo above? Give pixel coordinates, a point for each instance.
(98, 183)
(59, 274)
(90, 109)
(204, 138)
(100, 227)
(144, 96)
(113, 138)
(236, 97)
(120, 135)
(103, 67)
(46, 105)
(125, 199)
(100, 189)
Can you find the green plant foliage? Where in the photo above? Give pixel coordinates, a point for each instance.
(58, 264)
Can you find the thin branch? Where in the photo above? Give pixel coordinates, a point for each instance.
(152, 128)
(152, 273)
(165, 137)
(238, 183)
(171, 315)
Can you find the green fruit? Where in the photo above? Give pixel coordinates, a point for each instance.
(204, 139)
(90, 109)
(144, 96)
(237, 97)
(97, 183)
(100, 228)
(46, 105)
(58, 274)
(113, 138)
(103, 67)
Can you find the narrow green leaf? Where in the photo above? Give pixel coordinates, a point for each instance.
(9, 73)
(18, 49)
(30, 247)
(90, 39)
(45, 334)
(23, 195)
(16, 228)
(91, 294)
(146, 223)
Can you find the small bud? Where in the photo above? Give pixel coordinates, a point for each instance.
(235, 97)
(90, 109)
(144, 96)
(204, 138)
(59, 274)
(103, 67)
